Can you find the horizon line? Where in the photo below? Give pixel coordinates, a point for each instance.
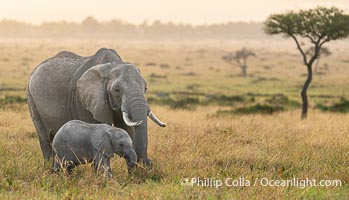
(149, 22)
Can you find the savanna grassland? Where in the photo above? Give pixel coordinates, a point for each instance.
(220, 124)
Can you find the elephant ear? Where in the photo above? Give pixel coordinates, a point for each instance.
(114, 135)
(92, 92)
(101, 142)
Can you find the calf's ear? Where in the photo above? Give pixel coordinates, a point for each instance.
(101, 142)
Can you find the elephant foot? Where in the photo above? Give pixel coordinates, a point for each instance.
(70, 169)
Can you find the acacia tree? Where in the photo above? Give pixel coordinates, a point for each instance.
(324, 52)
(240, 57)
(317, 26)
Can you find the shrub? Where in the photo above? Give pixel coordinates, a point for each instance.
(259, 108)
(188, 103)
(282, 100)
(224, 100)
(164, 66)
(9, 100)
(342, 106)
(185, 103)
(254, 109)
(190, 74)
(153, 75)
(150, 64)
(12, 100)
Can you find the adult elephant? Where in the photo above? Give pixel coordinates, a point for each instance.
(97, 89)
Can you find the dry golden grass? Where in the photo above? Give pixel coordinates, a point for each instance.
(193, 145)
(196, 143)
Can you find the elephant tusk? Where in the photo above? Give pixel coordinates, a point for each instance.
(128, 122)
(155, 119)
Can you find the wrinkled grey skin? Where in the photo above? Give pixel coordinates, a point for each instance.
(93, 89)
(78, 142)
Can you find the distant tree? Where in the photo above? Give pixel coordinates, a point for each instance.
(324, 52)
(90, 23)
(317, 26)
(240, 57)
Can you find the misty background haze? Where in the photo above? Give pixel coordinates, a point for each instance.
(91, 28)
(152, 19)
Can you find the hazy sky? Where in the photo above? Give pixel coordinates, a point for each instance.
(136, 11)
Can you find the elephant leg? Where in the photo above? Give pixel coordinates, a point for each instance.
(101, 163)
(46, 146)
(42, 132)
(106, 168)
(97, 162)
(56, 165)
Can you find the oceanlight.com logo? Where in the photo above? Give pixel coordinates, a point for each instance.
(264, 182)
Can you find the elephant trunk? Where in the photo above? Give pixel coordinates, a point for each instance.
(131, 158)
(138, 110)
(141, 141)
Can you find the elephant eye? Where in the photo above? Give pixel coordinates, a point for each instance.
(121, 145)
(117, 89)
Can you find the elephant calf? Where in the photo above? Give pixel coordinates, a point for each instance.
(78, 142)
